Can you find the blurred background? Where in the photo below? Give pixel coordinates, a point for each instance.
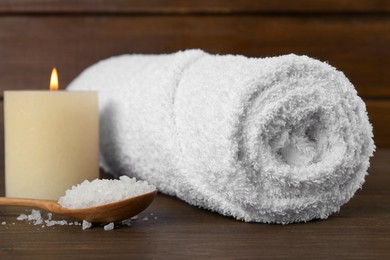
(352, 35)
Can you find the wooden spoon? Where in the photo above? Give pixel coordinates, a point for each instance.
(110, 212)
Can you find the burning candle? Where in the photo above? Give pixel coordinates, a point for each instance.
(51, 140)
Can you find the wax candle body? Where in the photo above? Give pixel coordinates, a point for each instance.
(51, 141)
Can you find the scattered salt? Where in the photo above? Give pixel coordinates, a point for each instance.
(109, 226)
(35, 217)
(50, 223)
(126, 222)
(145, 218)
(3, 223)
(100, 191)
(86, 224)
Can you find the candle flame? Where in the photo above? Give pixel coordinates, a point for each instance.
(54, 80)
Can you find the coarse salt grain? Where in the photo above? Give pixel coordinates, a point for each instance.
(86, 224)
(22, 217)
(126, 222)
(109, 226)
(35, 216)
(50, 223)
(100, 191)
(3, 223)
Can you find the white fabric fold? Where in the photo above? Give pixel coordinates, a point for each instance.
(275, 140)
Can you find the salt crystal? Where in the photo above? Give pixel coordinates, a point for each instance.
(109, 226)
(155, 217)
(3, 223)
(86, 224)
(134, 218)
(145, 218)
(35, 217)
(126, 222)
(22, 217)
(101, 191)
(50, 223)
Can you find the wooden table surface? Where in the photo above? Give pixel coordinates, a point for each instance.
(360, 231)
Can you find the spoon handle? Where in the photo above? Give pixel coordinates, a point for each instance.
(49, 205)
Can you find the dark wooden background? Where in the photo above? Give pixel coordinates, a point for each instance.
(352, 35)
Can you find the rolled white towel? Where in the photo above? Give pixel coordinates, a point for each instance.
(276, 140)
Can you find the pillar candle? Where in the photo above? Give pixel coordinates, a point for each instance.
(51, 141)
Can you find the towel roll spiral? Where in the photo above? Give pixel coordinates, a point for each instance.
(276, 140)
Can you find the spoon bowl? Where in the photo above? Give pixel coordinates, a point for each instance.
(111, 212)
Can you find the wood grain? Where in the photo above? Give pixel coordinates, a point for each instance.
(30, 46)
(379, 114)
(352, 35)
(360, 231)
(193, 6)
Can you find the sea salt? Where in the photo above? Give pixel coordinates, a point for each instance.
(50, 223)
(109, 226)
(3, 223)
(22, 217)
(35, 216)
(86, 224)
(126, 222)
(100, 191)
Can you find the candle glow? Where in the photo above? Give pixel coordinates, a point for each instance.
(54, 80)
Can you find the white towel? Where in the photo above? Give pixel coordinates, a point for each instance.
(276, 140)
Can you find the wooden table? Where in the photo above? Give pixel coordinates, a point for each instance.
(360, 231)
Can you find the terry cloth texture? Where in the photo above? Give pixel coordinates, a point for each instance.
(275, 140)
